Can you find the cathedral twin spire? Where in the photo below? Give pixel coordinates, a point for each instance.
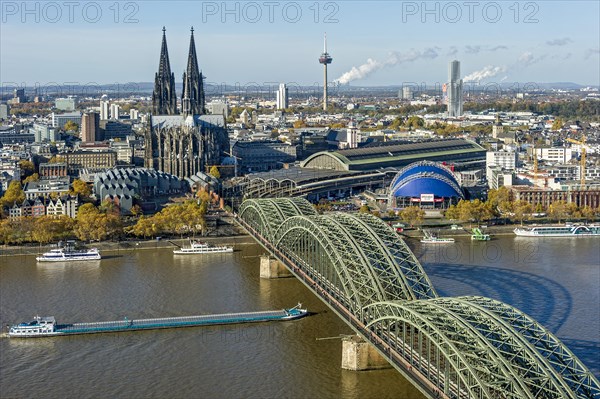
(164, 99)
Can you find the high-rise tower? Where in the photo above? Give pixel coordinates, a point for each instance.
(164, 100)
(192, 98)
(325, 59)
(455, 90)
(282, 96)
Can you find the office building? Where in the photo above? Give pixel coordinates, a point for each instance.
(4, 111)
(43, 132)
(66, 104)
(59, 120)
(18, 96)
(104, 106)
(114, 111)
(78, 160)
(553, 154)
(454, 90)
(90, 127)
(112, 129)
(282, 97)
(407, 93)
(218, 108)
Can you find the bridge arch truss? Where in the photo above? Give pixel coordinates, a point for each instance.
(467, 347)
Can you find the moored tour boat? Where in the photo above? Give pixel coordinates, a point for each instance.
(197, 247)
(68, 252)
(431, 238)
(559, 231)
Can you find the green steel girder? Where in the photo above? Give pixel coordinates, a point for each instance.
(455, 348)
(410, 268)
(496, 343)
(382, 262)
(581, 381)
(329, 255)
(266, 215)
(472, 347)
(525, 360)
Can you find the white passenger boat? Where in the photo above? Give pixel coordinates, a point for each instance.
(432, 238)
(559, 231)
(68, 252)
(197, 247)
(38, 327)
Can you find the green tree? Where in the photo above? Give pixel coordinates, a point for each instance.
(14, 193)
(412, 215)
(364, 209)
(214, 172)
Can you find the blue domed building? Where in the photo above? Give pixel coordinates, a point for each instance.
(426, 184)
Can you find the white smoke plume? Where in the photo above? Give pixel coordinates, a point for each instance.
(395, 58)
(487, 72)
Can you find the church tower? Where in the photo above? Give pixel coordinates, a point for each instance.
(192, 98)
(164, 99)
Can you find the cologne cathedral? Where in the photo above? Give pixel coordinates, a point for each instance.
(183, 143)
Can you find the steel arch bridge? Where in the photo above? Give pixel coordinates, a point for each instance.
(461, 347)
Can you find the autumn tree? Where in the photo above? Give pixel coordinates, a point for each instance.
(558, 211)
(522, 210)
(499, 200)
(557, 124)
(16, 231)
(13, 194)
(145, 227)
(27, 168)
(471, 211)
(71, 126)
(91, 224)
(412, 215)
(33, 177)
(136, 210)
(588, 213)
(56, 159)
(214, 172)
(300, 123)
(364, 209)
(79, 187)
(49, 229)
(414, 122)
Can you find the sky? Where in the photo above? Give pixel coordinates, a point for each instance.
(372, 43)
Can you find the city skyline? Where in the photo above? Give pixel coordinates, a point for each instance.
(410, 42)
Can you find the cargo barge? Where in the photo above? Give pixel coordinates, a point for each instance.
(48, 327)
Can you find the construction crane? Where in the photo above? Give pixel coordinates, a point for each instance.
(582, 160)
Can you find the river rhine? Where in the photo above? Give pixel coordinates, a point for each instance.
(554, 280)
